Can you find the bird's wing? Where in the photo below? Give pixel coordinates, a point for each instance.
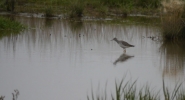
(126, 44)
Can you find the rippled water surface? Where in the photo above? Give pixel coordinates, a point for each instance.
(67, 60)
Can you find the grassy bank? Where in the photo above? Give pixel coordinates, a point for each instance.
(170, 11)
(86, 7)
(129, 91)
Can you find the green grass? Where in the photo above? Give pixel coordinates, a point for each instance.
(9, 27)
(129, 91)
(76, 8)
(7, 24)
(173, 26)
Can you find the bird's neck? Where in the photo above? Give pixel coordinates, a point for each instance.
(116, 40)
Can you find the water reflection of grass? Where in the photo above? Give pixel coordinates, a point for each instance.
(7, 33)
(129, 91)
(173, 53)
(75, 26)
(48, 22)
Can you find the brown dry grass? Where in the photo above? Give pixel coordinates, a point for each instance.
(172, 22)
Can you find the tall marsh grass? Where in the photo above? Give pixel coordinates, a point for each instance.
(129, 91)
(173, 26)
(15, 95)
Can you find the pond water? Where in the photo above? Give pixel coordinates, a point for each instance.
(67, 60)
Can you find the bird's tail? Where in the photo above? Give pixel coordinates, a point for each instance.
(132, 45)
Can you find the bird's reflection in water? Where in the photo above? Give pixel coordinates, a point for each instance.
(123, 57)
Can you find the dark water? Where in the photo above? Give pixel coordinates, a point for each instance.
(65, 60)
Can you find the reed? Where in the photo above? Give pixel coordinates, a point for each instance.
(173, 26)
(15, 95)
(129, 91)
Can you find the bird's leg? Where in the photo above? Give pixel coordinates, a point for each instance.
(124, 51)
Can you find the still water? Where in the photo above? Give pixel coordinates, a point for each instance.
(67, 60)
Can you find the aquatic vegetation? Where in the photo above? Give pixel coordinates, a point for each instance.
(9, 27)
(15, 95)
(7, 24)
(173, 26)
(129, 91)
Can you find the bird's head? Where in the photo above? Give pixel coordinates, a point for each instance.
(114, 39)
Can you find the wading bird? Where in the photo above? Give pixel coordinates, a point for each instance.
(123, 44)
